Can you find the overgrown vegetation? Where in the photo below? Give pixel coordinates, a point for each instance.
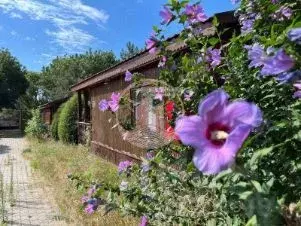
(67, 126)
(63, 72)
(236, 150)
(55, 123)
(130, 50)
(12, 79)
(35, 126)
(53, 161)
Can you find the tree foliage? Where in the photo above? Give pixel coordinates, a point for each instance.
(67, 125)
(55, 123)
(12, 79)
(63, 72)
(33, 97)
(130, 50)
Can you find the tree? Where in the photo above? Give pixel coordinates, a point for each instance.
(63, 72)
(12, 79)
(130, 50)
(33, 96)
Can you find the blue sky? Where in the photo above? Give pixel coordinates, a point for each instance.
(36, 31)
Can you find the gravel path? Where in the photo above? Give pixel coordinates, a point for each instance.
(21, 198)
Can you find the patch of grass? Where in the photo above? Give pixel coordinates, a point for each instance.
(53, 161)
(26, 150)
(12, 199)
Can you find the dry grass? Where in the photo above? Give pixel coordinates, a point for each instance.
(52, 162)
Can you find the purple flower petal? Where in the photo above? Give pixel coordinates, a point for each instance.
(295, 35)
(151, 44)
(297, 94)
(114, 103)
(123, 166)
(287, 12)
(166, 15)
(159, 93)
(256, 55)
(213, 104)
(149, 155)
(219, 130)
(162, 61)
(103, 105)
(91, 191)
(187, 127)
(90, 209)
(143, 221)
(241, 112)
(214, 57)
(235, 1)
(187, 95)
(212, 159)
(283, 13)
(195, 13)
(297, 85)
(289, 77)
(128, 76)
(277, 64)
(247, 25)
(85, 199)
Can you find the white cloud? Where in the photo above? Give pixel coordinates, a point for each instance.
(13, 33)
(29, 38)
(16, 15)
(81, 9)
(73, 39)
(65, 15)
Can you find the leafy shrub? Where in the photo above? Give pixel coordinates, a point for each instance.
(35, 126)
(67, 127)
(55, 123)
(261, 176)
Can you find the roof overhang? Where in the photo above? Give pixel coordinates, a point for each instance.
(144, 58)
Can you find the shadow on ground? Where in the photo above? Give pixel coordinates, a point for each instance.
(4, 149)
(10, 133)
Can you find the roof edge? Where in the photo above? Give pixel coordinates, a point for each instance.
(78, 86)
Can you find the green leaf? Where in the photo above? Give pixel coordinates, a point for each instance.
(190, 167)
(257, 185)
(245, 195)
(259, 154)
(215, 21)
(298, 136)
(266, 187)
(252, 221)
(184, 3)
(156, 29)
(213, 41)
(241, 184)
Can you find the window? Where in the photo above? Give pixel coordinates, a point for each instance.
(146, 113)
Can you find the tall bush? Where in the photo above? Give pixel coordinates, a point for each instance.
(67, 127)
(35, 126)
(55, 123)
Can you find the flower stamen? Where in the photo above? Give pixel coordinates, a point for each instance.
(218, 135)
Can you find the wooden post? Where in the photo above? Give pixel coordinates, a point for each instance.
(86, 106)
(79, 96)
(20, 120)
